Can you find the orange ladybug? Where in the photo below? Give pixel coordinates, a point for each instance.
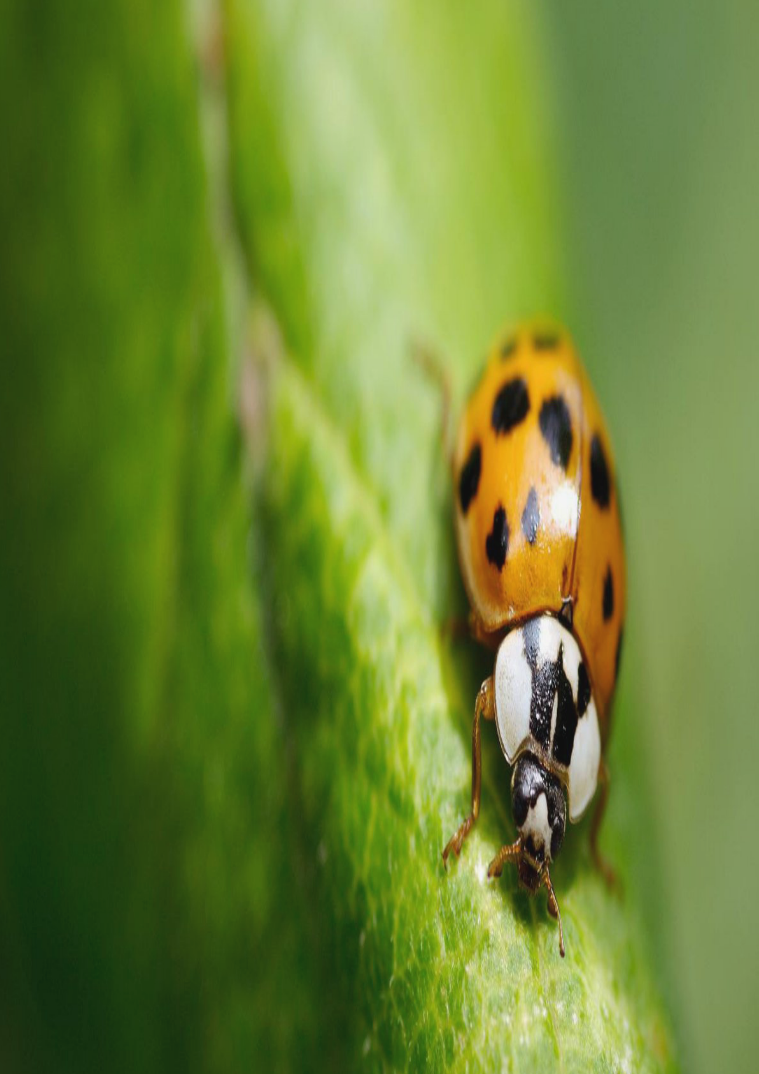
(541, 551)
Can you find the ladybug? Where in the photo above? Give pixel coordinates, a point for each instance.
(541, 551)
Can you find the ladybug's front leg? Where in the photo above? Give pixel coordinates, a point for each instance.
(462, 628)
(484, 706)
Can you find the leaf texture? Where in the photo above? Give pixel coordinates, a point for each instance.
(391, 176)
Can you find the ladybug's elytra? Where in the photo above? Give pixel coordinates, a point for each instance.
(541, 552)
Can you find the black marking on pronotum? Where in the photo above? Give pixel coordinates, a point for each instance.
(566, 718)
(545, 341)
(531, 517)
(619, 653)
(556, 427)
(508, 347)
(531, 635)
(544, 684)
(566, 724)
(600, 484)
(550, 685)
(583, 689)
(608, 599)
(511, 406)
(469, 481)
(497, 541)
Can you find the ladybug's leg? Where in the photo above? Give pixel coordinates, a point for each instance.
(553, 908)
(507, 853)
(462, 628)
(477, 631)
(484, 706)
(600, 862)
(433, 368)
(457, 628)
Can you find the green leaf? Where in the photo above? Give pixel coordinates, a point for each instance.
(140, 895)
(221, 816)
(393, 180)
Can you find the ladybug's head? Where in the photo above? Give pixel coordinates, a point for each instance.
(540, 814)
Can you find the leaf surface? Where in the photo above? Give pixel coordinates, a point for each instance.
(393, 180)
(234, 742)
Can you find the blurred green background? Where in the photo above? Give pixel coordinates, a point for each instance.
(160, 779)
(658, 127)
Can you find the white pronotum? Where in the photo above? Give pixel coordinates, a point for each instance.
(532, 664)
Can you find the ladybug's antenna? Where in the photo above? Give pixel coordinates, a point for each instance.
(514, 853)
(553, 908)
(431, 365)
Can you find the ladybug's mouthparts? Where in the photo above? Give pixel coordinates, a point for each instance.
(529, 877)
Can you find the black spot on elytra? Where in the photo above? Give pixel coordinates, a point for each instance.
(608, 601)
(556, 427)
(531, 517)
(583, 689)
(508, 347)
(600, 485)
(619, 654)
(469, 480)
(497, 541)
(531, 635)
(511, 406)
(545, 341)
